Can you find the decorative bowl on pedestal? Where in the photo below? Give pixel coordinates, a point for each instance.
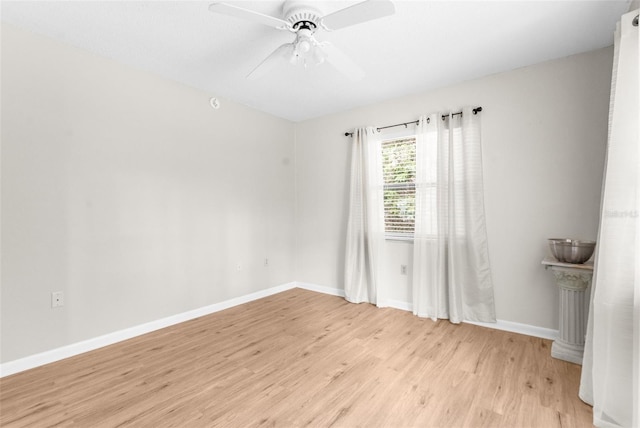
(572, 251)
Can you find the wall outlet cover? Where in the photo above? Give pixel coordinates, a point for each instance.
(57, 299)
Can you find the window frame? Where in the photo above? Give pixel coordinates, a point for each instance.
(401, 134)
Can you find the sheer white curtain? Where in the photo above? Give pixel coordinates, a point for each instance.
(451, 272)
(611, 365)
(365, 227)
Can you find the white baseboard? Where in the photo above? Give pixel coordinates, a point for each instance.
(32, 361)
(320, 289)
(73, 349)
(399, 304)
(514, 327)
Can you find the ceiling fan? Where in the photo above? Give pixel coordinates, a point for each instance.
(303, 19)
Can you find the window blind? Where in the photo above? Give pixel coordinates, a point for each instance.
(399, 172)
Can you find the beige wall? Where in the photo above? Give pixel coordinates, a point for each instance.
(544, 134)
(130, 194)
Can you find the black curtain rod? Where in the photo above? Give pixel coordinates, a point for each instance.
(415, 122)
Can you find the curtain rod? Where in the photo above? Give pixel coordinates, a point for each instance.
(415, 122)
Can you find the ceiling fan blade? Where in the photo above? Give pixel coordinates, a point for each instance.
(342, 63)
(358, 13)
(276, 57)
(249, 15)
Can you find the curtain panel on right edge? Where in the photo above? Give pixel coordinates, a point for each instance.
(611, 366)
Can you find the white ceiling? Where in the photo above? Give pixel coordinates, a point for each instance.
(425, 45)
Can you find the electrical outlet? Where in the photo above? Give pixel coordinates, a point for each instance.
(57, 299)
(238, 267)
(266, 262)
(403, 269)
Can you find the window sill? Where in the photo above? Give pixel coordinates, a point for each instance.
(399, 238)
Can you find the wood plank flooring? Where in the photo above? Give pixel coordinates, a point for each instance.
(301, 358)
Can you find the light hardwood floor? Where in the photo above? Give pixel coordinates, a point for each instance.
(301, 358)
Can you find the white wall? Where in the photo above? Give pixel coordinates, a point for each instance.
(130, 194)
(544, 135)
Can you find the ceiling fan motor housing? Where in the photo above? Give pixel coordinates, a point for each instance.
(300, 15)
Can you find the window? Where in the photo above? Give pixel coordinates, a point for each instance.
(399, 172)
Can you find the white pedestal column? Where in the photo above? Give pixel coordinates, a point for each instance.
(573, 281)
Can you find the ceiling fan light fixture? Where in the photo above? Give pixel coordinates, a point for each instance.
(303, 47)
(303, 44)
(318, 55)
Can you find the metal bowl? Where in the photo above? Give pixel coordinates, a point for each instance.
(571, 250)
